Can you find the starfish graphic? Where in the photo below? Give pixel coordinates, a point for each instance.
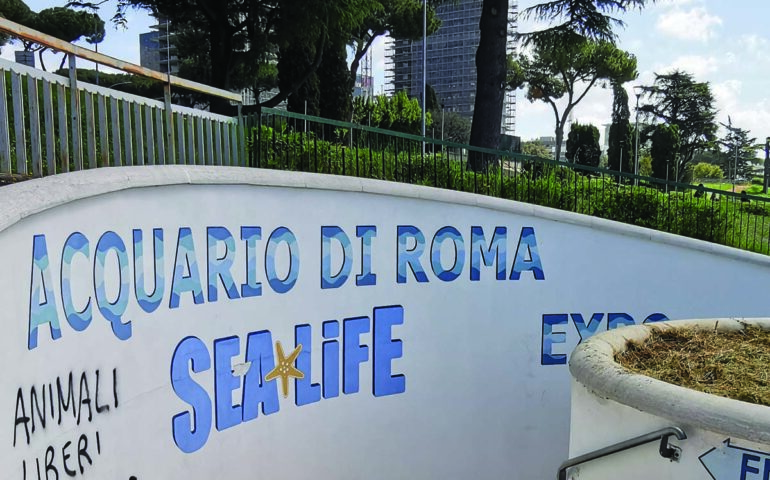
(285, 368)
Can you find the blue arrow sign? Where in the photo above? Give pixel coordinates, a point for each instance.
(729, 462)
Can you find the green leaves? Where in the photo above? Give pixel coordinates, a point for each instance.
(588, 19)
(677, 99)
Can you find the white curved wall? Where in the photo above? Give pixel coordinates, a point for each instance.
(485, 387)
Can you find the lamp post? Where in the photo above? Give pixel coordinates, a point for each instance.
(424, 66)
(638, 90)
(767, 165)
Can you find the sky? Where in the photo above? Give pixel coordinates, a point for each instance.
(724, 43)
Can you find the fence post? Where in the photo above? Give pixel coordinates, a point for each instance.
(170, 154)
(241, 137)
(77, 151)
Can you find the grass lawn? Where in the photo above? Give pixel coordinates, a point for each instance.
(755, 190)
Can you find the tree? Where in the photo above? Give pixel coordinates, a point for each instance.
(580, 18)
(65, 24)
(491, 73)
(664, 151)
(402, 19)
(536, 148)
(569, 71)
(233, 38)
(399, 113)
(583, 145)
(739, 151)
(620, 139)
(677, 99)
(15, 11)
(456, 128)
(705, 170)
(61, 22)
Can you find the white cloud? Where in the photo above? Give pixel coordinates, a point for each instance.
(756, 46)
(695, 24)
(727, 95)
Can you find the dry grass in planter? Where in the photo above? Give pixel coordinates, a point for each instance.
(730, 364)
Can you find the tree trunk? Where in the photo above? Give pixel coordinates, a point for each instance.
(491, 69)
(220, 41)
(559, 137)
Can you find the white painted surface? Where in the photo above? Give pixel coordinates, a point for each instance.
(477, 402)
(726, 439)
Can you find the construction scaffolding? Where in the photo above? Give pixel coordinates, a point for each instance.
(451, 61)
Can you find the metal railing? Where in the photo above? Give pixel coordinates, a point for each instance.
(288, 141)
(52, 124)
(666, 450)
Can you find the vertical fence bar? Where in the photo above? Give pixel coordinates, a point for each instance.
(127, 133)
(64, 144)
(90, 130)
(77, 146)
(34, 127)
(168, 110)
(201, 152)
(138, 134)
(50, 142)
(234, 157)
(5, 140)
(19, 124)
(160, 140)
(227, 158)
(241, 136)
(180, 150)
(148, 130)
(104, 132)
(217, 142)
(191, 140)
(117, 155)
(209, 142)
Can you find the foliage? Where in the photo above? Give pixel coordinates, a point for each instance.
(665, 152)
(684, 213)
(224, 42)
(456, 128)
(133, 84)
(401, 19)
(335, 84)
(568, 71)
(583, 145)
(580, 18)
(61, 22)
(645, 164)
(15, 11)
(677, 99)
(620, 149)
(536, 148)
(399, 113)
(431, 99)
(739, 151)
(707, 171)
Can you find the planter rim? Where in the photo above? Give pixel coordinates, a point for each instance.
(593, 365)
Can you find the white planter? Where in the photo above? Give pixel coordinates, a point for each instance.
(726, 439)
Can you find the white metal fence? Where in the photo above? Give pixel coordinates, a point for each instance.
(51, 124)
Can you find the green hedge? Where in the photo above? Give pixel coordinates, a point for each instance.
(723, 220)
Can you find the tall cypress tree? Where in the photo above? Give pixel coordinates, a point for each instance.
(620, 137)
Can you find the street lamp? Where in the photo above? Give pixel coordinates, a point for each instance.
(638, 90)
(767, 165)
(424, 66)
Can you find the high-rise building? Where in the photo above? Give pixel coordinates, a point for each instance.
(157, 50)
(451, 60)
